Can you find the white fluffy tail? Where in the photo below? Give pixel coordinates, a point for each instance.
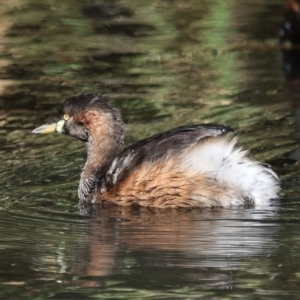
(248, 180)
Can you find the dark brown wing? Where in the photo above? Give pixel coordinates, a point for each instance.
(155, 147)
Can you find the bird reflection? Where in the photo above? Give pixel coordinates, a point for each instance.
(202, 244)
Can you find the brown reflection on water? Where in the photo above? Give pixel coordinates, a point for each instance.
(245, 252)
(194, 240)
(45, 253)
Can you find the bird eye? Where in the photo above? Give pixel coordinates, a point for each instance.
(66, 117)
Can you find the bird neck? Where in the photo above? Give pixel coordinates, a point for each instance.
(100, 154)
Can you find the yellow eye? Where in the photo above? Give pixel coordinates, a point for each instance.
(66, 117)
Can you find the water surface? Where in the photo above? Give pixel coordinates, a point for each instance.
(163, 64)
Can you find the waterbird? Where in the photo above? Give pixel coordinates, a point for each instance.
(188, 166)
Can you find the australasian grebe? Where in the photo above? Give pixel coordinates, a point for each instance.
(188, 166)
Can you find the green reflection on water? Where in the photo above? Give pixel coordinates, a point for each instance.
(183, 71)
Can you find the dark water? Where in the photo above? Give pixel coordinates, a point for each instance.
(163, 63)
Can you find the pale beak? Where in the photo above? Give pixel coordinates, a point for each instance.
(49, 128)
